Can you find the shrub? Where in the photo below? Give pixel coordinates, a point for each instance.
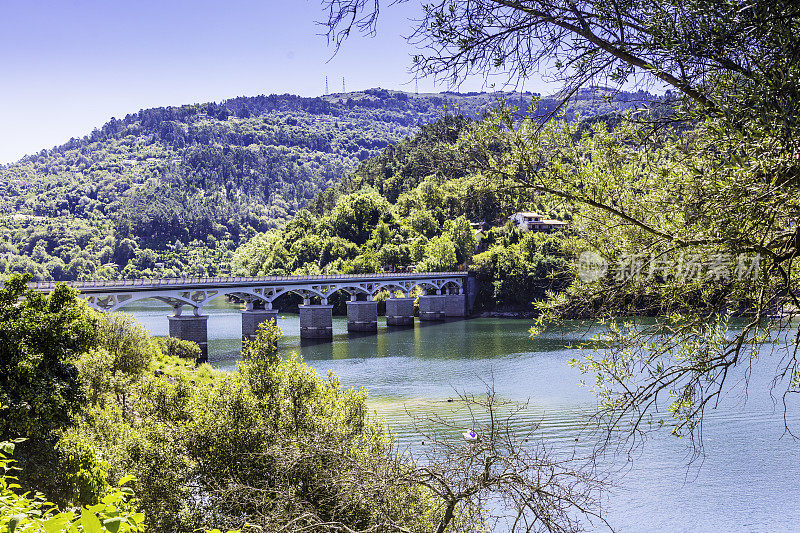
(115, 512)
(128, 342)
(179, 348)
(41, 336)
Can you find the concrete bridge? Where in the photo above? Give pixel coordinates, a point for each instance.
(445, 294)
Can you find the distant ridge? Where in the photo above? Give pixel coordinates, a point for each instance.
(423, 107)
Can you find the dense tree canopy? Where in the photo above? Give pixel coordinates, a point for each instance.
(40, 339)
(173, 191)
(356, 228)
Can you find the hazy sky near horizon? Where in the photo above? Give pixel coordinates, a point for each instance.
(70, 65)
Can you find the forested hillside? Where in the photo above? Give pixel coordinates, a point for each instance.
(413, 206)
(173, 191)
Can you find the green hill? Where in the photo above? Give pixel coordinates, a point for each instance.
(413, 207)
(173, 191)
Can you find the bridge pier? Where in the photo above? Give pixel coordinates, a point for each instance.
(400, 311)
(432, 307)
(252, 318)
(362, 316)
(191, 328)
(455, 305)
(316, 321)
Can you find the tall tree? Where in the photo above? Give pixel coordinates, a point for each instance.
(689, 45)
(696, 206)
(40, 388)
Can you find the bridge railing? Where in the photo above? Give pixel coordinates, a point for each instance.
(168, 282)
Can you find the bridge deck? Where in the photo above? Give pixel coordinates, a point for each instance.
(133, 285)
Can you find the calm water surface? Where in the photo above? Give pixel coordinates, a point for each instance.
(748, 481)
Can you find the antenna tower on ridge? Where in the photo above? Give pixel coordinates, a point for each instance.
(343, 89)
(326, 86)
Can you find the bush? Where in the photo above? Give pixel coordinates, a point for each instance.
(273, 444)
(298, 449)
(128, 342)
(179, 348)
(440, 256)
(41, 338)
(115, 512)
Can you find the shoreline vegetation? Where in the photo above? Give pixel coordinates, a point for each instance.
(123, 430)
(508, 314)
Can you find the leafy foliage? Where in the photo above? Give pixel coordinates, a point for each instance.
(172, 347)
(357, 229)
(517, 270)
(271, 445)
(114, 513)
(41, 338)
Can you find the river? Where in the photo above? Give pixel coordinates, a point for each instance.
(748, 480)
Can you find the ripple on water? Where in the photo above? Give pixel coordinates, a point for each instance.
(746, 482)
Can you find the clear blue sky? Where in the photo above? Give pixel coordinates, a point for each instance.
(70, 65)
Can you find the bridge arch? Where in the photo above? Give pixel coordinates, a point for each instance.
(452, 285)
(406, 289)
(354, 289)
(424, 285)
(246, 294)
(307, 293)
(115, 302)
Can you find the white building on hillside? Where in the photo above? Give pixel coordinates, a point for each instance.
(536, 222)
